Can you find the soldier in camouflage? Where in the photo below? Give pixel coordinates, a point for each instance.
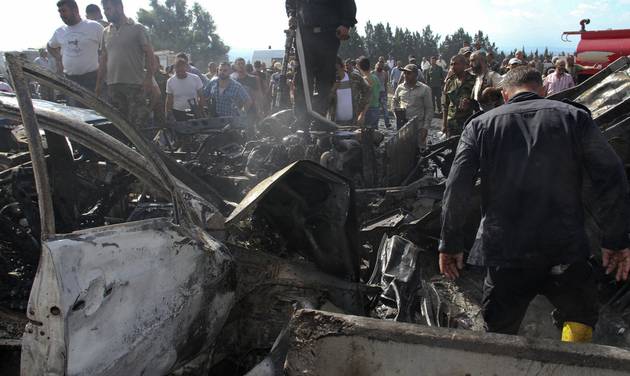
(457, 97)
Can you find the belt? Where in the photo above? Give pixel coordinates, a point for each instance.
(88, 74)
(320, 29)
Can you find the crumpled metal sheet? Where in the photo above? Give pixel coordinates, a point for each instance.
(398, 273)
(312, 209)
(610, 92)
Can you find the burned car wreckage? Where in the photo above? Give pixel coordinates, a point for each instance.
(136, 257)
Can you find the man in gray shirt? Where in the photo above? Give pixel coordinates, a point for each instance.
(126, 63)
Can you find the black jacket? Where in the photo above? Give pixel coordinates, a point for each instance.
(323, 13)
(531, 155)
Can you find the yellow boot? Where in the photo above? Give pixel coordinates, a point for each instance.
(576, 332)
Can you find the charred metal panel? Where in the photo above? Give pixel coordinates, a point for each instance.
(130, 299)
(312, 209)
(606, 94)
(401, 154)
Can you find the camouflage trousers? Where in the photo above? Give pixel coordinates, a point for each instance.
(132, 103)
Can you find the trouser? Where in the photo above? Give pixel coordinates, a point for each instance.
(87, 80)
(455, 127)
(131, 101)
(371, 117)
(320, 53)
(507, 293)
(179, 115)
(383, 106)
(436, 94)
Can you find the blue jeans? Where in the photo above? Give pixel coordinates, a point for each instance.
(371, 117)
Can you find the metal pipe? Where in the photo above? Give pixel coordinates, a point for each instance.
(40, 171)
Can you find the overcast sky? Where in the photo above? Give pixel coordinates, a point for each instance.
(255, 24)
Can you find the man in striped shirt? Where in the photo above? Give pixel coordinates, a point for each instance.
(559, 80)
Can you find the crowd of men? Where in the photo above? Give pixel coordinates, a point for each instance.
(115, 60)
(532, 238)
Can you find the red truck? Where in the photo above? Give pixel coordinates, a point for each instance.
(599, 47)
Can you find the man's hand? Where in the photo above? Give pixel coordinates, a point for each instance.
(343, 33)
(292, 23)
(361, 119)
(450, 265)
(619, 261)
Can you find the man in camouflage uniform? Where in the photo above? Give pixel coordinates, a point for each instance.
(457, 97)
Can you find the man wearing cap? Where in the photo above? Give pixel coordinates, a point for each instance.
(412, 60)
(456, 97)
(323, 24)
(415, 98)
(466, 51)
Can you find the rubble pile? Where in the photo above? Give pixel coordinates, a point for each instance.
(237, 232)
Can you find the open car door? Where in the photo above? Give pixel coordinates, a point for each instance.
(138, 297)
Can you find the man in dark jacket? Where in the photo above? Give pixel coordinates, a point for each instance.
(531, 156)
(323, 23)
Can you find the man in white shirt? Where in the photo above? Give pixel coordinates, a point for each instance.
(350, 97)
(425, 64)
(75, 45)
(180, 89)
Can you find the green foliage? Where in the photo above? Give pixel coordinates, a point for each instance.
(174, 26)
(452, 43)
(381, 40)
(353, 47)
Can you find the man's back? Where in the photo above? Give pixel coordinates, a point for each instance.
(324, 13)
(531, 154)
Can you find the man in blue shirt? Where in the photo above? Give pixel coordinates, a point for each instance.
(394, 75)
(227, 97)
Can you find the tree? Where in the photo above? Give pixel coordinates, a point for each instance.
(429, 42)
(176, 27)
(452, 43)
(354, 46)
(482, 41)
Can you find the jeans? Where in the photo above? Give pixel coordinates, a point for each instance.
(371, 117)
